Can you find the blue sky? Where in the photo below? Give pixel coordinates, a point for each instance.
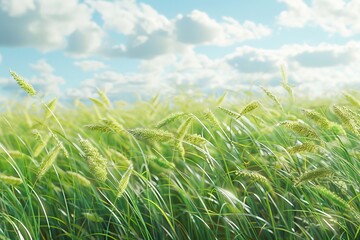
(126, 47)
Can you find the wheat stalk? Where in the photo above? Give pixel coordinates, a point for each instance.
(300, 129)
(93, 217)
(229, 112)
(314, 174)
(23, 84)
(272, 97)
(209, 115)
(195, 139)
(285, 82)
(304, 147)
(257, 177)
(171, 118)
(151, 134)
(333, 197)
(181, 134)
(221, 99)
(104, 98)
(124, 181)
(118, 158)
(39, 148)
(48, 161)
(50, 107)
(79, 178)
(98, 127)
(114, 125)
(10, 180)
(353, 101)
(346, 118)
(97, 163)
(317, 118)
(97, 102)
(163, 163)
(249, 107)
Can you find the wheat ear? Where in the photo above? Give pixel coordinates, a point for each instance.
(151, 134)
(314, 174)
(97, 163)
(23, 84)
(171, 118)
(79, 178)
(10, 180)
(300, 129)
(48, 161)
(124, 181)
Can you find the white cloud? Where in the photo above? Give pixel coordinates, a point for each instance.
(150, 34)
(165, 74)
(45, 80)
(17, 8)
(327, 55)
(196, 28)
(42, 66)
(199, 28)
(312, 70)
(297, 14)
(85, 41)
(129, 17)
(252, 60)
(128, 28)
(90, 65)
(47, 25)
(334, 16)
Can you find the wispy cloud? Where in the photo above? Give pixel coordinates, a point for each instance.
(90, 65)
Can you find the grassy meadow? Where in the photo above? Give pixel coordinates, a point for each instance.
(257, 167)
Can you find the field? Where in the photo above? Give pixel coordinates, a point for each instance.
(256, 167)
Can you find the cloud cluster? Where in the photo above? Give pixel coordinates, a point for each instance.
(49, 25)
(46, 81)
(313, 70)
(126, 29)
(180, 35)
(334, 16)
(166, 48)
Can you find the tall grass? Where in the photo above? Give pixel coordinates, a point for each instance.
(260, 169)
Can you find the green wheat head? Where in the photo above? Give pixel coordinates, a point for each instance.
(48, 161)
(300, 129)
(151, 134)
(79, 178)
(314, 174)
(23, 84)
(210, 117)
(256, 177)
(304, 147)
(352, 100)
(97, 163)
(10, 180)
(272, 97)
(124, 181)
(171, 118)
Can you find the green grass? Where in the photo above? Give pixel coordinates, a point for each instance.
(183, 168)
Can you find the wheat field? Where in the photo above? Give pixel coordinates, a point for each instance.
(259, 167)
